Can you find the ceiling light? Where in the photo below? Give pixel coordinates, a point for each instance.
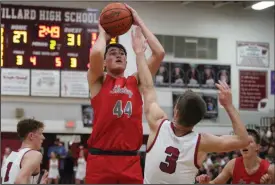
(262, 5)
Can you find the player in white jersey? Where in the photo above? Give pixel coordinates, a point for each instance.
(23, 166)
(174, 150)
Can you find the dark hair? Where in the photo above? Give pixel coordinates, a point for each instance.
(255, 135)
(116, 45)
(25, 126)
(191, 107)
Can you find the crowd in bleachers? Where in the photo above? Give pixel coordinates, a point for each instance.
(69, 159)
(215, 162)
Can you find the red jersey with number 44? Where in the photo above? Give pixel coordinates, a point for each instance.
(240, 176)
(117, 123)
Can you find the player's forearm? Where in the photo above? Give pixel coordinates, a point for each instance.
(154, 44)
(146, 81)
(98, 49)
(144, 73)
(238, 126)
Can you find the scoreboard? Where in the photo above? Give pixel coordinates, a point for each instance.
(47, 37)
(45, 50)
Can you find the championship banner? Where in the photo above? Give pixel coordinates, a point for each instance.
(253, 54)
(253, 89)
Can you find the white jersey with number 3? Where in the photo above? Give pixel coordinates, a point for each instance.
(171, 159)
(12, 167)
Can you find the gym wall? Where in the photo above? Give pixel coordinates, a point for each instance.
(227, 24)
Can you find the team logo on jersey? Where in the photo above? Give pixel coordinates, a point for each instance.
(118, 90)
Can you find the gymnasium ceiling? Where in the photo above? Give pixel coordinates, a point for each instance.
(236, 5)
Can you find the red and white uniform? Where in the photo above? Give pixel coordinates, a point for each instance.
(172, 159)
(240, 176)
(117, 126)
(12, 167)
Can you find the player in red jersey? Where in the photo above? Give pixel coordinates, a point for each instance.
(248, 169)
(117, 127)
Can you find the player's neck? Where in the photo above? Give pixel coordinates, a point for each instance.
(251, 162)
(115, 75)
(181, 130)
(26, 144)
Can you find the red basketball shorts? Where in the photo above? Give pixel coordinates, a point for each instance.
(110, 169)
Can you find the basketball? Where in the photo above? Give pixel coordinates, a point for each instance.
(116, 19)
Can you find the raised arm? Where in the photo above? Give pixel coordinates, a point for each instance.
(222, 178)
(95, 71)
(30, 164)
(152, 110)
(212, 143)
(155, 46)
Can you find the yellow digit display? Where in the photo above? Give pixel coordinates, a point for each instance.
(72, 39)
(19, 60)
(52, 44)
(78, 40)
(58, 62)
(33, 60)
(17, 34)
(2, 46)
(73, 63)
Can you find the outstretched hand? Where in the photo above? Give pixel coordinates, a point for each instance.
(225, 96)
(203, 179)
(137, 19)
(139, 44)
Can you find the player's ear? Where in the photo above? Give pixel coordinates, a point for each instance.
(30, 136)
(258, 147)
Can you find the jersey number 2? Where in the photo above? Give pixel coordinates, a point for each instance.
(118, 109)
(170, 164)
(6, 178)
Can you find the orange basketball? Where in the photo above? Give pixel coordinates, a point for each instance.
(116, 19)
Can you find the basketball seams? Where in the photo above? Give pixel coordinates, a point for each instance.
(128, 25)
(117, 20)
(121, 9)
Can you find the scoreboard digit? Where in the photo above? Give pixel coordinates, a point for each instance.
(47, 37)
(73, 39)
(53, 31)
(19, 36)
(2, 46)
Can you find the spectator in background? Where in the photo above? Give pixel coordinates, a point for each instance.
(53, 169)
(81, 168)
(61, 153)
(58, 148)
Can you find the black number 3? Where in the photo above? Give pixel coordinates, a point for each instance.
(170, 164)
